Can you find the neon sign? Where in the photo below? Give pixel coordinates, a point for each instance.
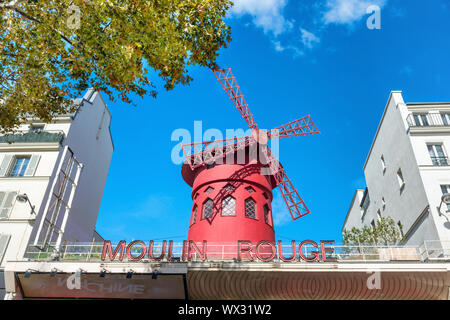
(265, 251)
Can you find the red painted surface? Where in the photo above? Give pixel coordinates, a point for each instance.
(230, 229)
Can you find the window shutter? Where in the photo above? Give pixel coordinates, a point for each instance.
(32, 165)
(6, 204)
(4, 240)
(4, 166)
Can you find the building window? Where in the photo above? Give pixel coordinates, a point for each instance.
(400, 179)
(20, 164)
(379, 214)
(208, 209)
(267, 215)
(194, 215)
(437, 154)
(229, 206)
(229, 187)
(250, 208)
(372, 223)
(250, 189)
(420, 119)
(383, 164)
(265, 196)
(383, 202)
(209, 190)
(4, 241)
(400, 229)
(365, 202)
(445, 118)
(6, 203)
(446, 189)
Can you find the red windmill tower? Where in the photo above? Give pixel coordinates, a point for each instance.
(232, 185)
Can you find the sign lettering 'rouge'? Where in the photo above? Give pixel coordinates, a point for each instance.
(265, 251)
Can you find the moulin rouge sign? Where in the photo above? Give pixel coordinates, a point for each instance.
(265, 251)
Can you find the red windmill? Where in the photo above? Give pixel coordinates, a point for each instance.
(232, 199)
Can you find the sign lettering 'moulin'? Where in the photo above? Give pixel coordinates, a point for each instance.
(265, 251)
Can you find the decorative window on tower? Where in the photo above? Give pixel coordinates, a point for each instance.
(250, 189)
(229, 187)
(209, 190)
(229, 206)
(207, 209)
(250, 208)
(267, 215)
(194, 215)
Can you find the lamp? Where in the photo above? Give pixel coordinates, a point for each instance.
(27, 273)
(130, 274)
(24, 198)
(53, 272)
(444, 199)
(102, 273)
(155, 274)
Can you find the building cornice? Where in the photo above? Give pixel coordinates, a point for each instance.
(429, 130)
(26, 147)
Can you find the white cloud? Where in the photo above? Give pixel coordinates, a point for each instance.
(266, 14)
(348, 11)
(309, 39)
(278, 46)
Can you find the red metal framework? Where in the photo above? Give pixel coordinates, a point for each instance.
(294, 202)
(300, 127)
(201, 153)
(204, 153)
(229, 84)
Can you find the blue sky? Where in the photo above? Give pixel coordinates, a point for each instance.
(291, 59)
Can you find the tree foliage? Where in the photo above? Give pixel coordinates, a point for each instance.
(52, 51)
(385, 232)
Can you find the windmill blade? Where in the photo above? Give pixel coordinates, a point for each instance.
(229, 84)
(299, 127)
(294, 202)
(202, 153)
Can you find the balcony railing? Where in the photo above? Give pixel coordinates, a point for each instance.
(439, 161)
(83, 252)
(428, 120)
(33, 136)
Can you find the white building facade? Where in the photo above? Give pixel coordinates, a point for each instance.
(52, 177)
(407, 171)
